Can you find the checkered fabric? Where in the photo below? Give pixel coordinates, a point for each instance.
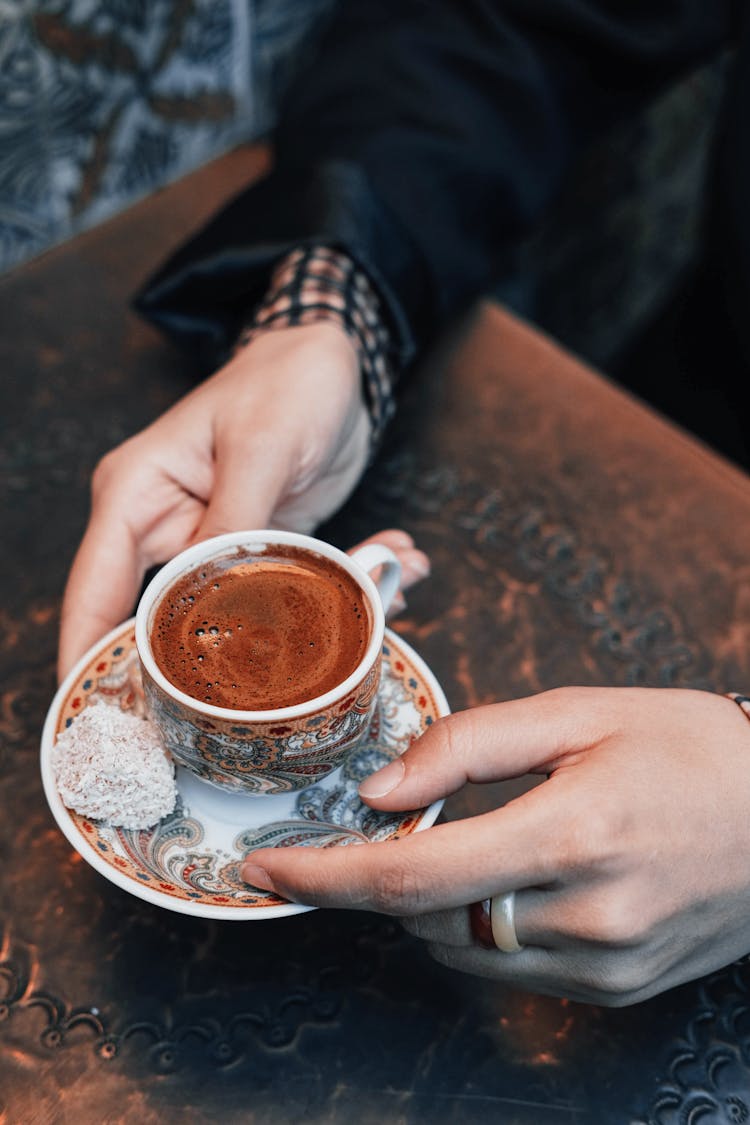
(315, 283)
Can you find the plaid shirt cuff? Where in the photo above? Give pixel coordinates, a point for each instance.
(314, 284)
(742, 701)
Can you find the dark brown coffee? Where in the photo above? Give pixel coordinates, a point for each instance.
(259, 632)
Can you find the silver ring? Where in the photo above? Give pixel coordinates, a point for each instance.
(502, 920)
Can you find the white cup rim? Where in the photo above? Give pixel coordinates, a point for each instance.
(210, 549)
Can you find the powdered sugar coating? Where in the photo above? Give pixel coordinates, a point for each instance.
(110, 765)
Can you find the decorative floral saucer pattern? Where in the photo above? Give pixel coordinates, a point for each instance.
(190, 860)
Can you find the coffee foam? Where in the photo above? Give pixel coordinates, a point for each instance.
(263, 632)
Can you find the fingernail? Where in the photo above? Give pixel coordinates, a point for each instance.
(398, 605)
(415, 570)
(257, 877)
(400, 538)
(384, 781)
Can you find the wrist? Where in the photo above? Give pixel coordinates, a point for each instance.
(318, 347)
(319, 286)
(322, 336)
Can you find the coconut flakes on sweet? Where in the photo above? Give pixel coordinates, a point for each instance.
(110, 765)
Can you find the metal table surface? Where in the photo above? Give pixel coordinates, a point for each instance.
(575, 537)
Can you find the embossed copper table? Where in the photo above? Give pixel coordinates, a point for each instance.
(575, 537)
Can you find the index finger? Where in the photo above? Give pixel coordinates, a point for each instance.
(491, 743)
(102, 586)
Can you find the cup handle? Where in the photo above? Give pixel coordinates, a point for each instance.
(376, 555)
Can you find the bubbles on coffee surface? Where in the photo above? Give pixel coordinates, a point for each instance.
(260, 633)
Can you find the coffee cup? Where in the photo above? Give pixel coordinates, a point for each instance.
(260, 655)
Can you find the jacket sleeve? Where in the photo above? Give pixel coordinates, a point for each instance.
(425, 140)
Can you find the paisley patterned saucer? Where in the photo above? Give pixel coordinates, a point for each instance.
(190, 860)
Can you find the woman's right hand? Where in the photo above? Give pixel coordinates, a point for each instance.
(278, 437)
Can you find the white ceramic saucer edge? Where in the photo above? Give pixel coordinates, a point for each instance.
(185, 906)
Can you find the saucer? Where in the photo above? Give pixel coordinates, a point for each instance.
(190, 861)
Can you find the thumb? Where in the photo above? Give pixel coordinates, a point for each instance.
(492, 743)
(250, 477)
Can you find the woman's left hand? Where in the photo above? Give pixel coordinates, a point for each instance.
(630, 863)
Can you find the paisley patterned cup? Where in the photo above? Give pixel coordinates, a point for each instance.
(266, 752)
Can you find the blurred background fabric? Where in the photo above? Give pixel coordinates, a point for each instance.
(102, 101)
